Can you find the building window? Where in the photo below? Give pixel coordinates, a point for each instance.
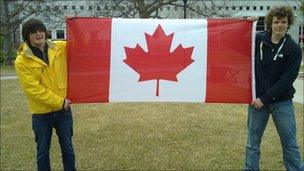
(294, 7)
(268, 7)
(240, 7)
(73, 7)
(47, 7)
(301, 34)
(56, 7)
(15, 37)
(248, 8)
(82, 7)
(60, 34)
(90, 8)
(98, 7)
(168, 8)
(254, 8)
(106, 7)
(261, 24)
(176, 8)
(233, 7)
(220, 8)
(226, 7)
(261, 8)
(49, 34)
(65, 7)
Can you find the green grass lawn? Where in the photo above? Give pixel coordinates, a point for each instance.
(141, 136)
(7, 69)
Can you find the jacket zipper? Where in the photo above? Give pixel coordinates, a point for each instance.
(272, 49)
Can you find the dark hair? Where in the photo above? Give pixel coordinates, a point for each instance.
(31, 26)
(280, 12)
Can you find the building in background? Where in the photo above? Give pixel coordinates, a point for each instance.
(190, 9)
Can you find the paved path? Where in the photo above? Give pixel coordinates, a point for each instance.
(8, 77)
(299, 86)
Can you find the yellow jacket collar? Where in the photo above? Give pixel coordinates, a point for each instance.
(26, 51)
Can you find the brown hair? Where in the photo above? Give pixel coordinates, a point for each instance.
(280, 12)
(31, 26)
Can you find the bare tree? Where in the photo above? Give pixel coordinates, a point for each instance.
(206, 8)
(14, 12)
(301, 9)
(154, 8)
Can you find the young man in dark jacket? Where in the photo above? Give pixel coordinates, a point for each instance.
(277, 63)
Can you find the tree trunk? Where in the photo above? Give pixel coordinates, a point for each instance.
(7, 38)
(7, 46)
(185, 8)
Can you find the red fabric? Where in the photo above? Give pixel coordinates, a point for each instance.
(229, 61)
(89, 46)
(158, 63)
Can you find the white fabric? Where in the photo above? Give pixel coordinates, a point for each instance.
(191, 85)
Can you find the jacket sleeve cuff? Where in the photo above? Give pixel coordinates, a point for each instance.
(266, 99)
(62, 106)
(59, 104)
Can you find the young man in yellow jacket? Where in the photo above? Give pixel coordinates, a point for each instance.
(42, 72)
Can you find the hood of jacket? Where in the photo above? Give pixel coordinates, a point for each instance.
(265, 37)
(25, 51)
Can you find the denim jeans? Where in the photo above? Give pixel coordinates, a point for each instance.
(284, 120)
(43, 126)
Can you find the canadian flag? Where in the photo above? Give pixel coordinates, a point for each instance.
(158, 60)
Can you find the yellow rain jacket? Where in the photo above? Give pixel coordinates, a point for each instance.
(44, 85)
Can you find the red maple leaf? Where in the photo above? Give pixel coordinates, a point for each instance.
(158, 63)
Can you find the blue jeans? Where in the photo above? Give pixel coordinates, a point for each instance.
(284, 120)
(43, 126)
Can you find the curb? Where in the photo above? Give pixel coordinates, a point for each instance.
(8, 74)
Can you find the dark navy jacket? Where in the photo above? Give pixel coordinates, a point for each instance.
(276, 68)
